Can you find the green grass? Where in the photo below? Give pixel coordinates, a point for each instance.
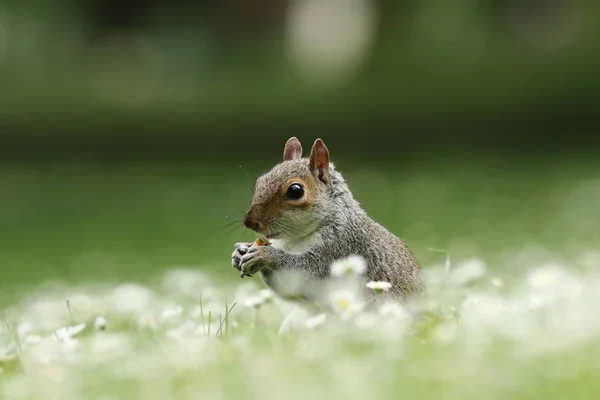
(142, 244)
(184, 336)
(99, 219)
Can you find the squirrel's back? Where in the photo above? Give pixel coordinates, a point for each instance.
(389, 259)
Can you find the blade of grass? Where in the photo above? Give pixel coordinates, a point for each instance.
(226, 320)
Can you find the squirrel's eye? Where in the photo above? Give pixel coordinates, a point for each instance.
(295, 192)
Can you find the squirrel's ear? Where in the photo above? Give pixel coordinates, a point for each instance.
(319, 161)
(293, 149)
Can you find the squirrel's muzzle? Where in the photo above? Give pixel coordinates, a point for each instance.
(251, 222)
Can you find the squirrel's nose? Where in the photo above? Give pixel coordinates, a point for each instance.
(251, 223)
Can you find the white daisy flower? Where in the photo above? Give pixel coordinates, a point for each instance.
(379, 286)
(346, 303)
(349, 266)
(69, 332)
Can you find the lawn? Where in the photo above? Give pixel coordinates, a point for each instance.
(117, 283)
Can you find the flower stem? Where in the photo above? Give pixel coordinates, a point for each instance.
(378, 300)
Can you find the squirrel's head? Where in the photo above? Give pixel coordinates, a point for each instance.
(289, 202)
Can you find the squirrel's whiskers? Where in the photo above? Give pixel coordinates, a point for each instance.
(230, 227)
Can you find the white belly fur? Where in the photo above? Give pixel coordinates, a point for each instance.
(299, 246)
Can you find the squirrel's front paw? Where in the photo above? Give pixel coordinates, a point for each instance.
(254, 260)
(240, 250)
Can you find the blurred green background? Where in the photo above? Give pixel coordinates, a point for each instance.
(130, 132)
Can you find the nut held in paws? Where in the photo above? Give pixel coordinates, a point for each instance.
(261, 242)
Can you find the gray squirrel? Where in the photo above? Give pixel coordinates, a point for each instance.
(307, 213)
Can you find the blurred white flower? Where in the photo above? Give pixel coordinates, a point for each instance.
(24, 329)
(590, 260)
(100, 323)
(294, 320)
(552, 314)
(545, 277)
(394, 309)
(171, 312)
(147, 320)
(550, 284)
(69, 332)
(80, 304)
(497, 283)
(187, 329)
(109, 347)
(186, 282)
(31, 339)
(46, 313)
(7, 356)
(132, 298)
(315, 321)
(48, 352)
(366, 321)
(379, 286)
(267, 295)
(196, 312)
(346, 303)
(254, 301)
(470, 301)
(349, 266)
(467, 272)
(446, 332)
(210, 330)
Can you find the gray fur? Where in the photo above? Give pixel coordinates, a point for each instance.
(342, 228)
